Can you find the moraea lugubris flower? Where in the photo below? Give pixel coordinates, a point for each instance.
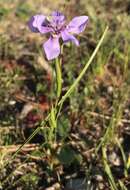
(56, 26)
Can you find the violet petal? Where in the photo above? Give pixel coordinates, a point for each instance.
(77, 24)
(52, 48)
(69, 37)
(38, 23)
(57, 18)
(30, 25)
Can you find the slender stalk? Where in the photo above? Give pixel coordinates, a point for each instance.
(58, 76)
(84, 69)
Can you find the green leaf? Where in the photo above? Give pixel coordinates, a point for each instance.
(30, 180)
(63, 127)
(66, 155)
(37, 153)
(123, 187)
(40, 87)
(78, 159)
(82, 73)
(53, 118)
(53, 124)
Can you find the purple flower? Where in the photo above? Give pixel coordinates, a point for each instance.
(56, 26)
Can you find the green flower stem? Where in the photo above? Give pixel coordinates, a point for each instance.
(58, 76)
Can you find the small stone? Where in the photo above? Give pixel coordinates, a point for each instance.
(12, 102)
(99, 177)
(76, 184)
(114, 159)
(110, 90)
(101, 186)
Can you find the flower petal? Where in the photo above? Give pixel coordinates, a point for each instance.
(77, 24)
(69, 37)
(38, 23)
(31, 26)
(57, 19)
(52, 48)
